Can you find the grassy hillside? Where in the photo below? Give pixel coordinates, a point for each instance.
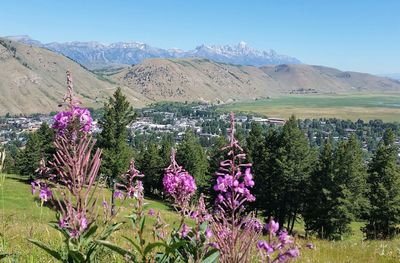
(33, 80)
(22, 218)
(352, 106)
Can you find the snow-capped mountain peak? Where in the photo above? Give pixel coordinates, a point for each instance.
(95, 54)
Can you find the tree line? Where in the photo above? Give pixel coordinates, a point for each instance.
(326, 187)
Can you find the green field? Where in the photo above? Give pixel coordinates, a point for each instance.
(351, 106)
(22, 218)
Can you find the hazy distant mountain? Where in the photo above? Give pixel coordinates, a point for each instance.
(96, 55)
(391, 75)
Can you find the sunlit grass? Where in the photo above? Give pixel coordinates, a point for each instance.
(350, 106)
(24, 218)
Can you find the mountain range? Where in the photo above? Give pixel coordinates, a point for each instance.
(32, 80)
(95, 55)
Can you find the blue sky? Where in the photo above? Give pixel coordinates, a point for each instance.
(359, 35)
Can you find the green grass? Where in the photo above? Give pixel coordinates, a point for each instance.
(350, 106)
(23, 218)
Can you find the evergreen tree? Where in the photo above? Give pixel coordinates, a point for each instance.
(267, 182)
(335, 196)
(192, 157)
(354, 172)
(281, 178)
(254, 143)
(152, 166)
(118, 114)
(28, 158)
(39, 145)
(46, 137)
(255, 155)
(318, 201)
(383, 190)
(295, 161)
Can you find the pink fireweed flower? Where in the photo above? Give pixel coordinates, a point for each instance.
(74, 172)
(310, 246)
(118, 195)
(65, 118)
(185, 230)
(284, 238)
(33, 187)
(62, 223)
(265, 246)
(151, 212)
(83, 223)
(178, 183)
(74, 233)
(248, 178)
(234, 178)
(293, 252)
(208, 233)
(61, 121)
(130, 184)
(45, 193)
(272, 227)
(84, 118)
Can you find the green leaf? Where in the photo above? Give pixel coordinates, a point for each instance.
(212, 256)
(142, 223)
(76, 255)
(123, 252)
(109, 230)
(174, 247)
(52, 252)
(136, 246)
(91, 231)
(151, 246)
(203, 226)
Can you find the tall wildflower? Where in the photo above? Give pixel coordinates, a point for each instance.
(71, 178)
(70, 183)
(279, 246)
(235, 232)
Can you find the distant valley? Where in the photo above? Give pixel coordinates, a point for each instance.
(32, 79)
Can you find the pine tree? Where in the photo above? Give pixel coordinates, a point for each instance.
(255, 155)
(152, 166)
(318, 201)
(28, 158)
(268, 184)
(354, 170)
(282, 172)
(39, 145)
(113, 138)
(191, 155)
(383, 190)
(254, 143)
(295, 161)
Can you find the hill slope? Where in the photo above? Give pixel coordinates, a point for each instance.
(32, 80)
(202, 79)
(300, 78)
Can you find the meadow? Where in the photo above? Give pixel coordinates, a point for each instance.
(22, 217)
(346, 106)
